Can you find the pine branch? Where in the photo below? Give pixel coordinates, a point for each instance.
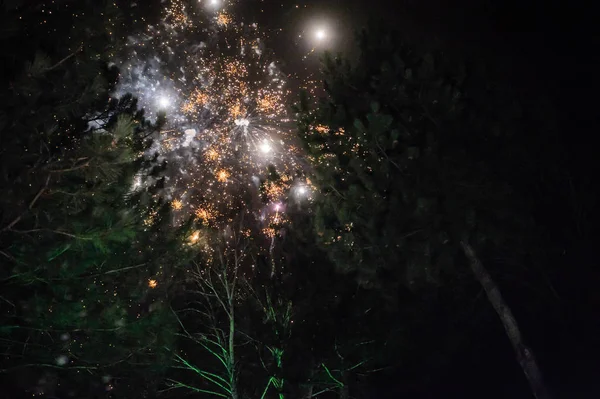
(59, 63)
(53, 231)
(178, 384)
(48, 366)
(103, 273)
(7, 255)
(83, 165)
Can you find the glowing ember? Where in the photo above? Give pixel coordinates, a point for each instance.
(201, 213)
(322, 129)
(223, 19)
(269, 232)
(212, 154)
(207, 214)
(177, 205)
(195, 237)
(223, 176)
(152, 283)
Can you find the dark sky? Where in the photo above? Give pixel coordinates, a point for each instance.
(546, 50)
(539, 36)
(549, 47)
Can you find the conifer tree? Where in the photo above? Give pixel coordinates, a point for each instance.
(81, 290)
(411, 187)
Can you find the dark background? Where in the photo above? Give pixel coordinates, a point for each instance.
(547, 51)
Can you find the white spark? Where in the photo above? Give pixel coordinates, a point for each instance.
(164, 102)
(265, 147)
(320, 34)
(242, 122)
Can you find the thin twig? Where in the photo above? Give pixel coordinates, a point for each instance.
(31, 204)
(64, 59)
(64, 233)
(7, 255)
(83, 165)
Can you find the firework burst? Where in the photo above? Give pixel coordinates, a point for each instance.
(226, 104)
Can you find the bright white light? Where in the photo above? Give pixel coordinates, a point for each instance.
(320, 34)
(164, 102)
(301, 190)
(265, 147)
(277, 207)
(213, 5)
(242, 122)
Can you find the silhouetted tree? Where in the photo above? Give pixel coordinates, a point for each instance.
(400, 150)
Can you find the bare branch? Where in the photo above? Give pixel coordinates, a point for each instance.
(31, 205)
(59, 63)
(7, 255)
(83, 165)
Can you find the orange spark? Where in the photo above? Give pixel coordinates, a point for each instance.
(223, 176)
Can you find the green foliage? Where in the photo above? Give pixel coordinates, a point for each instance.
(78, 244)
(413, 154)
(399, 149)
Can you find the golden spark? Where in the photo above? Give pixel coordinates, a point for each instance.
(269, 232)
(223, 19)
(212, 154)
(223, 176)
(176, 204)
(195, 237)
(322, 129)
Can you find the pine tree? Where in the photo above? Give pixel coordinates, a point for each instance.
(411, 184)
(81, 291)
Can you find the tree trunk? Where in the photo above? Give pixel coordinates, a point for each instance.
(310, 386)
(231, 348)
(345, 389)
(309, 391)
(524, 354)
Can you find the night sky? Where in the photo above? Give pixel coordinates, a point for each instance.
(536, 46)
(226, 73)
